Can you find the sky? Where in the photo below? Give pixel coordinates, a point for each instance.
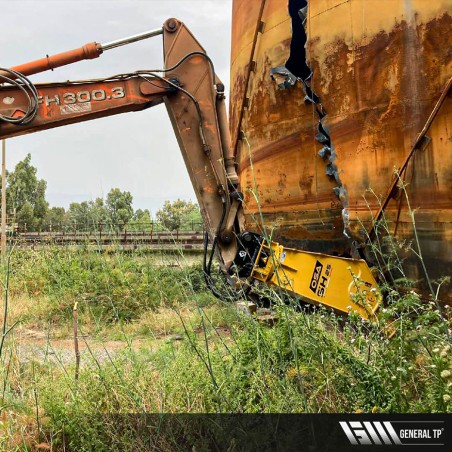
(136, 152)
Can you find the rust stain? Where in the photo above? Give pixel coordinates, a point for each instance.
(271, 149)
(378, 78)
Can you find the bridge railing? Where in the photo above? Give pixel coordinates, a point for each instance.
(141, 233)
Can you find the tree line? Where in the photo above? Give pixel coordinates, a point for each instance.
(28, 210)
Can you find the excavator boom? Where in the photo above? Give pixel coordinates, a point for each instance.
(60, 104)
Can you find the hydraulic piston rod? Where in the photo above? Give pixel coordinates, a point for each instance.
(87, 52)
(130, 39)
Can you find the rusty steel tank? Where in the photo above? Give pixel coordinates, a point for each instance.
(338, 110)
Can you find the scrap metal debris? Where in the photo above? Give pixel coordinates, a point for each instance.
(283, 77)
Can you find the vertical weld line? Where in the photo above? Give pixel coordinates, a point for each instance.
(363, 43)
(353, 42)
(248, 75)
(346, 203)
(353, 38)
(363, 35)
(358, 89)
(314, 123)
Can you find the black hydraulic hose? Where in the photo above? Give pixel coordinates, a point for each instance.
(185, 57)
(21, 82)
(207, 267)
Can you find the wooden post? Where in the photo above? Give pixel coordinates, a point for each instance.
(76, 348)
(3, 239)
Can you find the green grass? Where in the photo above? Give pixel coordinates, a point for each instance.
(308, 362)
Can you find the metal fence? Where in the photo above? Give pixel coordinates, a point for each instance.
(125, 239)
(108, 228)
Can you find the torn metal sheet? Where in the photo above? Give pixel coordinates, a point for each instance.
(283, 77)
(327, 153)
(303, 14)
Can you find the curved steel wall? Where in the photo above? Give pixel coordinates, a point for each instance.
(379, 67)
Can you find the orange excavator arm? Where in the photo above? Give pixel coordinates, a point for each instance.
(60, 104)
(194, 98)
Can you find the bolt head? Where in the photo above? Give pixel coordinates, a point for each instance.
(226, 237)
(171, 25)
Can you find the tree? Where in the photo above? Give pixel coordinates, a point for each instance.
(174, 215)
(119, 206)
(99, 213)
(88, 215)
(141, 220)
(25, 195)
(25, 217)
(55, 219)
(79, 216)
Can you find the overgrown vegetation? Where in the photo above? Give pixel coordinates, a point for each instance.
(227, 362)
(112, 286)
(155, 341)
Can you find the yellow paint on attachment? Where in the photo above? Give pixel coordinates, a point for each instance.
(342, 284)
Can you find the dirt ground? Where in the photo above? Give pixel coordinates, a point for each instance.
(38, 345)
